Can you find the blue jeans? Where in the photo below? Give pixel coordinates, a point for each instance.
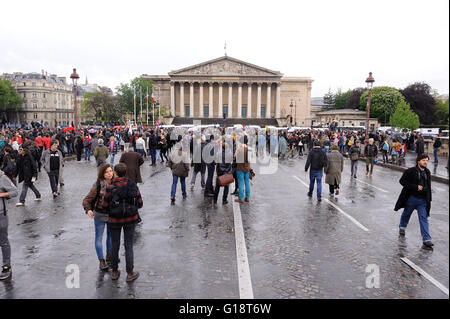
(435, 152)
(111, 159)
(174, 185)
(128, 235)
(313, 176)
(326, 149)
(341, 148)
(158, 156)
(243, 178)
(87, 154)
(420, 204)
(153, 155)
(99, 229)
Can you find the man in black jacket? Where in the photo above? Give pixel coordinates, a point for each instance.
(317, 160)
(436, 146)
(416, 195)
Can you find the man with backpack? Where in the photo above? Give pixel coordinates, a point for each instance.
(121, 201)
(87, 148)
(353, 154)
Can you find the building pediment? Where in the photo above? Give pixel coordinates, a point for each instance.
(225, 66)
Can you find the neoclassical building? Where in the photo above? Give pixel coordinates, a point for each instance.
(47, 99)
(227, 90)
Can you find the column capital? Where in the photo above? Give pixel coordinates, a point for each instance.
(259, 84)
(230, 83)
(240, 84)
(172, 83)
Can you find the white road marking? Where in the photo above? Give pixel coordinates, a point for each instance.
(337, 208)
(380, 189)
(427, 276)
(245, 281)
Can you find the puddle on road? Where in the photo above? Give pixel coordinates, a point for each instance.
(58, 233)
(28, 221)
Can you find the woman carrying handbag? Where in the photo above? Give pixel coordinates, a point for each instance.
(224, 170)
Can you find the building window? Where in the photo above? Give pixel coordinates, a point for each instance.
(206, 111)
(45, 115)
(225, 111)
(34, 94)
(362, 123)
(24, 94)
(44, 95)
(263, 111)
(244, 112)
(33, 83)
(24, 83)
(34, 105)
(187, 110)
(35, 115)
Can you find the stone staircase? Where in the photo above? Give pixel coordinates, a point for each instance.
(225, 122)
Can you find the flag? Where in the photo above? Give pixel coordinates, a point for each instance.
(157, 124)
(153, 97)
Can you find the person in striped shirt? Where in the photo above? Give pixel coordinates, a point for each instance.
(126, 191)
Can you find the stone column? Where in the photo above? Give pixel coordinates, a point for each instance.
(182, 99)
(278, 106)
(239, 113)
(172, 98)
(249, 99)
(211, 99)
(200, 102)
(191, 100)
(220, 99)
(230, 99)
(269, 87)
(258, 101)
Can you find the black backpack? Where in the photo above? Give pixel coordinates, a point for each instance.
(11, 167)
(123, 203)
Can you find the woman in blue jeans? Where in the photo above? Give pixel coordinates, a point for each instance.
(243, 172)
(179, 164)
(92, 204)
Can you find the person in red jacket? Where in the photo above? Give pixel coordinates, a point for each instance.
(47, 141)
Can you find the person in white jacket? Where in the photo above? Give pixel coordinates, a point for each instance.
(140, 146)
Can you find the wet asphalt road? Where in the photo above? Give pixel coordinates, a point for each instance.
(296, 246)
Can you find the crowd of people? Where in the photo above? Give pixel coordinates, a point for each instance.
(221, 155)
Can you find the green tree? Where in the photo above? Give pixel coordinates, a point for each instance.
(104, 106)
(125, 95)
(328, 99)
(340, 99)
(383, 102)
(442, 112)
(9, 99)
(404, 117)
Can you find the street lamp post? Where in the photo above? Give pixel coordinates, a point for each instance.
(295, 113)
(291, 106)
(369, 82)
(74, 76)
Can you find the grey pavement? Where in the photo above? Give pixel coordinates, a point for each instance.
(296, 246)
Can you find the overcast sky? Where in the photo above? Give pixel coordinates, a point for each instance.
(336, 43)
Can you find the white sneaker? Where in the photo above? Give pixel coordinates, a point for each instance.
(20, 204)
(38, 199)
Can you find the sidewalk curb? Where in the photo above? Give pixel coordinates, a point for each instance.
(435, 178)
